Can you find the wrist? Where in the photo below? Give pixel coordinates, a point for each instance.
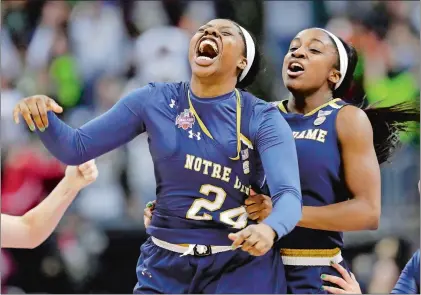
(70, 186)
(269, 229)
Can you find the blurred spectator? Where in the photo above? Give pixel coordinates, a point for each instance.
(88, 54)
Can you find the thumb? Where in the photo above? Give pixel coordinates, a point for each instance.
(232, 237)
(252, 192)
(55, 107)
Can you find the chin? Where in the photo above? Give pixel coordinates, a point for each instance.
(293, 85)
(203, 72)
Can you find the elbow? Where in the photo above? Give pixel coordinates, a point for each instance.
(374, 222)
(373, 218)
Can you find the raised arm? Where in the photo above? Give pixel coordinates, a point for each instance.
(276, 146)
(33, 228)
(362, 176)
(119, 125)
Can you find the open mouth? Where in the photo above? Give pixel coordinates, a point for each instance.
(207, 50)
(295, 69)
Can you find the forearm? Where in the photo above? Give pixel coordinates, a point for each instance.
(352, 215)
(43, 219)
(112, 129)
(279, 159)
(285, 214)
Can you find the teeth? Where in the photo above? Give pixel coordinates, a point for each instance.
(293, 65)
(208, 42)
(204, 58)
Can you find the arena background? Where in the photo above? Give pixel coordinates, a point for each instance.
(87, 54)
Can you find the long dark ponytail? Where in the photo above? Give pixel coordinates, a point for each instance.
(387, 122)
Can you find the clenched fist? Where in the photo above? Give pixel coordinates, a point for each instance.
(34, 109)
(82, 175)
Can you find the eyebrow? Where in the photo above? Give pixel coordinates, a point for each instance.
(222, 27)
(312, 39)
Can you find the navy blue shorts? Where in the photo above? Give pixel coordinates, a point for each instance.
(161, 271)
(307, 279)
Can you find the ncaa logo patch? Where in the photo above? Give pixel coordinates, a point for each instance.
(185, 120)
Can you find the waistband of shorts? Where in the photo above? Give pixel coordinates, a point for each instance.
(191, 249)
(311, 257)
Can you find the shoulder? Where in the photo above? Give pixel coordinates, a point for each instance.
(258, 105)
(154, 94)
(352, 123)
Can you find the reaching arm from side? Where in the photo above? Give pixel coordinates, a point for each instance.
(362, 176)
(278, 154)
(409, 280)
(33, 228)
(119, 125)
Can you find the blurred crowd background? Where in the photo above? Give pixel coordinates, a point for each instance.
(88, 54)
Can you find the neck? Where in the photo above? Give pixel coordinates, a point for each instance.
(305, 103)
(204, 88)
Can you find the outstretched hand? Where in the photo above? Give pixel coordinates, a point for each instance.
(35, 108)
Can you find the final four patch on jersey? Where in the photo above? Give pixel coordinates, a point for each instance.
(185, 120)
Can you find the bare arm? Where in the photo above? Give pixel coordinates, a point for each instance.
(362, 176)
(33, 228)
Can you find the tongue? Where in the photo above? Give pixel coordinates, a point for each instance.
(208, 51)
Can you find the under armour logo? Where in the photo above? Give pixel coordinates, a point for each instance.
(192, 134)
(172, 104)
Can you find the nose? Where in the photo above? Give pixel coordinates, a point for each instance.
(211, 31)
(298, 53)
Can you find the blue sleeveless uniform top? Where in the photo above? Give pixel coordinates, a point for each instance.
(321, 172)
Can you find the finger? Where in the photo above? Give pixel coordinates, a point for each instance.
(353, 277)
(33, 108)
(239, 237)
(335, 280)
(250, 242)
(344, 273)
(260, 248)
(53, 106)
(16, 112)
(87, 165)
(147, 213)
(26, 114)
(254, 208)
(252, 192)
(42, 109)
(254, 216)
(333, 290)
(249, 201)
(262, 215)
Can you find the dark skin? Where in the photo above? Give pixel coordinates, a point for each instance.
(210, 78)
(314, 50)
(317, 54)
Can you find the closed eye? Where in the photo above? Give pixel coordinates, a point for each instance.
(315, 51)
(226, 34)
(293, 48)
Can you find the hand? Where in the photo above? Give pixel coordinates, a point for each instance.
(35, 108)
(256, 239)
(258, 207)
(82, 175)
(348, 283)
(147, 213)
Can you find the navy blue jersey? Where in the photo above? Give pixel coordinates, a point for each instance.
(204, 153)
(321, 173)
(320, 167)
